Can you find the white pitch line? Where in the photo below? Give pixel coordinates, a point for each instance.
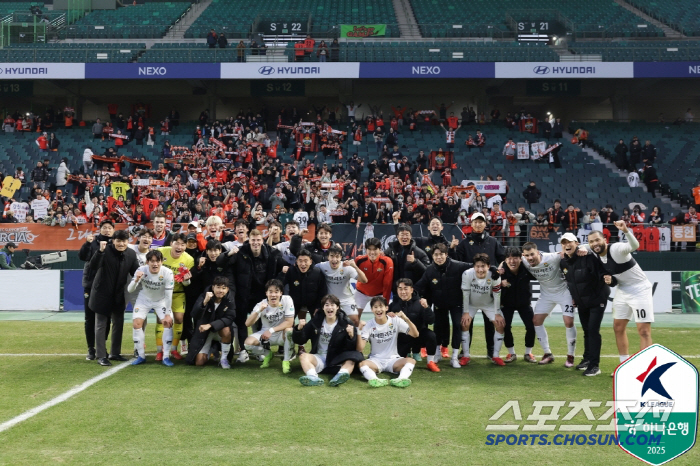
(61, 398)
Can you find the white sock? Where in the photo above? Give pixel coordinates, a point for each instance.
(466, 339)
(406, 371)
(528, 350)
(312, 372)
(167, 341)
(225, 348)
(571, 340)
(288, 347)
(511, 350)
(139, 341)
(343, 371)
(624, 357)
(368, 373)
(159, 348)
(541, 333)
(431, 358)
(257, 350)
(497, 343)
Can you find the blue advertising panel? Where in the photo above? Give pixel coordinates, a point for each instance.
(152, 71)
(669, 69)
(428, 70)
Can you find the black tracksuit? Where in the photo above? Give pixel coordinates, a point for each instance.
(402, 268)
(219, 318)
(584, 278)
(473, 244)
(85, 254)
(441, 286)
(306, 289)
(421, 318)
(318, 253)
(428, 243)
(517, 297)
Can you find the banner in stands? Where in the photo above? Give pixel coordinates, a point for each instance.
(42, 70)
(549, 70)
(152, 71)
(487, 187)
(354, 31)
(674, 69)
(427, 70)
(287, 70)
(690, 289)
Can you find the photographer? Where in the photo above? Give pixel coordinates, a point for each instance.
(6, 257)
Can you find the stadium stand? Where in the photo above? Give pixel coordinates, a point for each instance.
(235, 17)
(673, 50)
(72, 52)
(679, 14)
(151, 20)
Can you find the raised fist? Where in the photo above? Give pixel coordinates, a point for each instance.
(202, 261)
(103, 245)
(139, 275)
(207, 297)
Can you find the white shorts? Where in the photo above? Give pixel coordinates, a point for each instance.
(546, 304)
(143, 307)
(488, 313)
(213, 336)
(276, 339)
(362, 300)
(639, 306)
(320, 362)
(386, 365)
(349, 308)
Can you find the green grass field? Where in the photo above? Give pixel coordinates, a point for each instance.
(152, 414)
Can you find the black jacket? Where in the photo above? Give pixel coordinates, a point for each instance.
(240, 267)
(342, 347)
(476, 243)
(441, 284)
(532, 194)
(112, 269)
(203, 278)
(517, 295)
(419, 315)
(584, 277)
(318, 254)
(87, 250)
(219, 318)
(428, 243)
(403, 268)
(306, 289)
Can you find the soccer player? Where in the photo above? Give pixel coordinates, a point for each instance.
(338, 275)
(634, 291)
(161, 236)
(157, 283)
(379, 270)
(481, 290)
(544, 266)
(277, 315)
(418, 311)
(145, 238)
(174, 257)
(382, 334)
(333, 344)
(213, 313)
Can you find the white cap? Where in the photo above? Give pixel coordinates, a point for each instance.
(568, 237)
(478, 215)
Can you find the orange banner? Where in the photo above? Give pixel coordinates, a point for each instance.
(38, 237)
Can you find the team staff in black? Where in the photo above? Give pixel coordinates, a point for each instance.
(517, 296)
(409, 260)
(439, 286)
(213, 314)
(435, 237)
(479, 241)
(588, 283)
(318, 247)
(306, 284)
(418, 311)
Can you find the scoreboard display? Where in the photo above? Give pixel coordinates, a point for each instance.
(283, 27)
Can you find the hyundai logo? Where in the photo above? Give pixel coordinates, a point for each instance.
(541, 70)
(266, 70)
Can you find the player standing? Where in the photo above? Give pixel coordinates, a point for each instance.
(156, 294)
(338, 274)
(544, 266)
(379, 270)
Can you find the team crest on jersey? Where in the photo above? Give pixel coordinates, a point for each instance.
(566, 271)
(435, 280)
(488, 281)
(427, 249)
(220, 269)
(296, 282)
(391, 326)
(379, 269)
(160, 277)
(471, 242)
(546, 264)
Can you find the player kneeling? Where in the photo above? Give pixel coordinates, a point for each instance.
(277, 315)
(481, 290)
(213, 314)
(333, 344)
(382, 333)
(157, 283)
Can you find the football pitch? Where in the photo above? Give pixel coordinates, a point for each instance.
(152, 414)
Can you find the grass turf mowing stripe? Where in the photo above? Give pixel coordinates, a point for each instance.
(29, 355)
(61, 398)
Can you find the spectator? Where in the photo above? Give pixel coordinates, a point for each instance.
(648, 152)
(656, 217)
(557, 129)
(689, 116)
(223, 42)
(635, 154)
(139, 135)
(40, 176)
(212, 40)
(532, 194)
(621, 156)
(43, 143)
(651, 180)
(335, 50)
(87, 159)
(309, 44)
(54, 143)
(240, 49)
(6, 257)
(97, 129)
(322, 52)
(591, 218)
(572, 218)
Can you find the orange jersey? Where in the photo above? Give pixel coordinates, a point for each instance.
(380, 275)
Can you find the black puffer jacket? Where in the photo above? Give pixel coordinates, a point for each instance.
(419, 315)
(342, 347)
(476, 243)
(584, 277)
(218, 318)
(517, 295)
(428, 243)
(306, 289)
(112, 269)
(318, 254)
(441, 284)
(85, 254)
(404, 269)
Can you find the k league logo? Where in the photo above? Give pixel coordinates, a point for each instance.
(541, 70)
(266, 70)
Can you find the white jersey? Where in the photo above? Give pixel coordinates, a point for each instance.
(582, 235)
(633, 281)
(274, 316)
(302, 218)
(664, 239)
(324, 337)
(383, 338)
(283, 247)
(155, 287)
(338, 281)
(140, 256)
(549, 274)
(230, 244)
(481, 293)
